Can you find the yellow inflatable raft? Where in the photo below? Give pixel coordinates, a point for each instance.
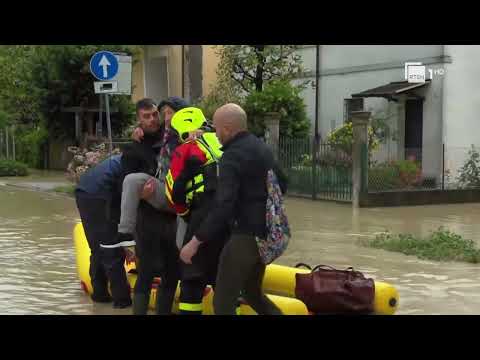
(279, 280)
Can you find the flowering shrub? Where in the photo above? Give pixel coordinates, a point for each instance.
(342, 137)
(84, 159)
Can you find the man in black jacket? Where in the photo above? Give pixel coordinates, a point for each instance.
(152, 165)
(240, 203)
(156, 249)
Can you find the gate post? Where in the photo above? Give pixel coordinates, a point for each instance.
(359, 155)
(272, 125)
(314, 147)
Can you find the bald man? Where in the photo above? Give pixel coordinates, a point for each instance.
(241, 204)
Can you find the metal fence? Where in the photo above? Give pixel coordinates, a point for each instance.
(431, 168)
(324, 174)
(8, 145)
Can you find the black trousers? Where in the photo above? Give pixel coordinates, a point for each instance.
(99, 219)
(203, 270)
(241, 271)
(157, 255)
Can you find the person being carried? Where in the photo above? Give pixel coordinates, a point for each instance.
(145, 163)
(149, 184)
(151, 180)
(154, 246)
(190, 187)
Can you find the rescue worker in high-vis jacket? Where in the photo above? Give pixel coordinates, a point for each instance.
(190, 188)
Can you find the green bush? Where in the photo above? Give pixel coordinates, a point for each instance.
(30, 143)
(409, 172)
(440, 245)
(12, 168)
(281, 97)
(407, 166)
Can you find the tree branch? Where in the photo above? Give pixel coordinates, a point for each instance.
(240, 82)
(270, 74)
(242, 70)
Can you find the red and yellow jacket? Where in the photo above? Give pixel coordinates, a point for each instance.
(186, 175)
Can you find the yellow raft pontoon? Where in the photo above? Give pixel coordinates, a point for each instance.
(279, 280)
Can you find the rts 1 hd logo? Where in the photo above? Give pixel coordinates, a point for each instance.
(415, 72)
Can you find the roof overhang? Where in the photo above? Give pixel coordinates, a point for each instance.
(391, 90)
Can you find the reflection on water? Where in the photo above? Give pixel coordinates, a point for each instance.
(38, 275)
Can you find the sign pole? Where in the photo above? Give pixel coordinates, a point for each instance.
(109, 127)
(104, 66)
(100, 118)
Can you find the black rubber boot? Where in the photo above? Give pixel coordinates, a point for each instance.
(165, 298)
(191, 296)
(122, 304)
(140, 303)
(101, 297)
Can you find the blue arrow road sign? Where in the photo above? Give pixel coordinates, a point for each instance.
(104, 65)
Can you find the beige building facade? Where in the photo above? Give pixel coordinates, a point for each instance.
(160, 71)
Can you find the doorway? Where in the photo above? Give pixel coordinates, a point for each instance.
(414, 129)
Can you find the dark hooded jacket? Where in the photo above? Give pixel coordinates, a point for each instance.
(241, 191)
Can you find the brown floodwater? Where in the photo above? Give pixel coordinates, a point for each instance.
(38, 272)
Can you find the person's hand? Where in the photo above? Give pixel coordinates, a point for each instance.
(137, 134)
(193, 135)
(189, 250)
(130, 256)
(148, 189)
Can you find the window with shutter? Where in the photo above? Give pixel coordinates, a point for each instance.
(350, 105)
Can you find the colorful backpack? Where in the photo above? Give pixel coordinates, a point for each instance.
(278, 230)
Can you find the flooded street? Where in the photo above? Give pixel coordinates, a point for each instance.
(326, 233)
(38, 272)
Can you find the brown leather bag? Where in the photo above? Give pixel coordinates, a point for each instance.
(330, 291)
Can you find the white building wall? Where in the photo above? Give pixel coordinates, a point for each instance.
(349, 69)
(156, 72)
(341, 56)
(432, 126)
(461, 104)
